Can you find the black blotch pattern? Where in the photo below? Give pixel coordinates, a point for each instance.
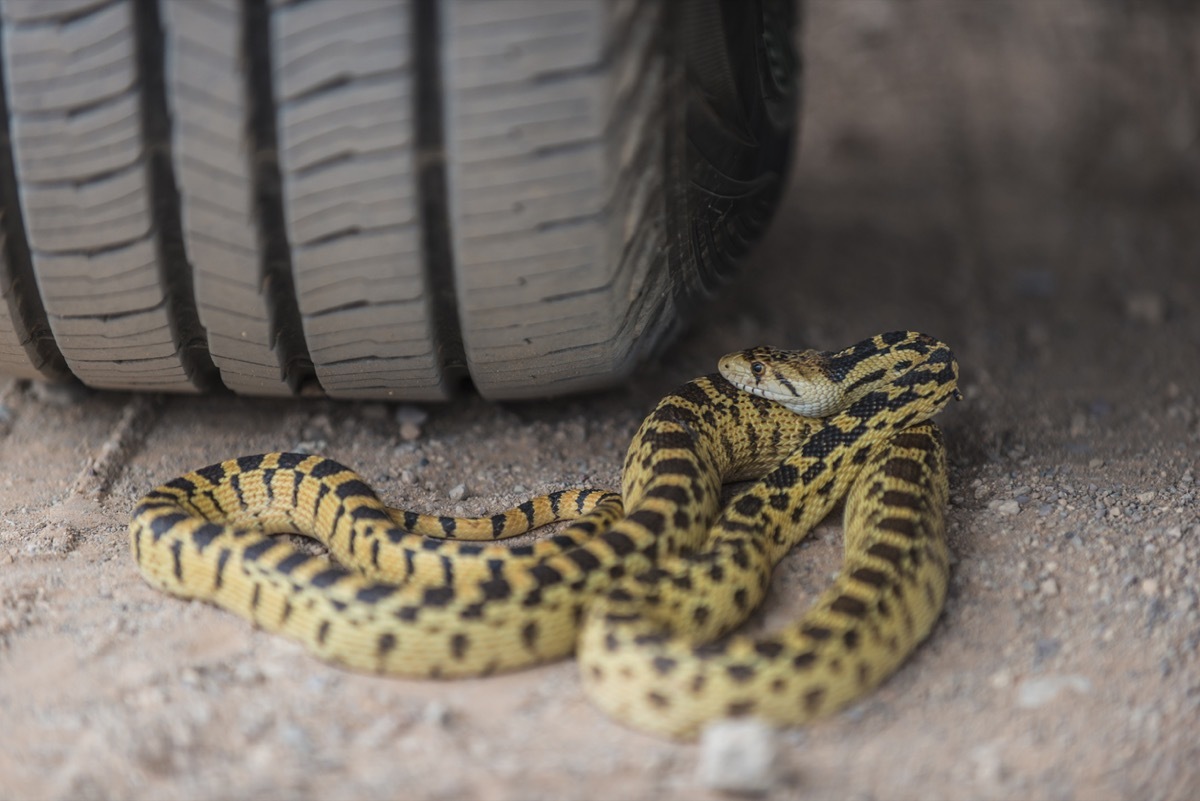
(290, 461)
(804, 660)
(458, 646)
(664, 665)
(904, 500)
(292, 561)
(375, 593)
(545, 575)
(737, 709)
(899, 525)
(249, 464)
(326, 468)
(768, 648)
(584, 558)
(164, 523)
(741, 673)
(259, 548)
(437, 596)
(496, 589)
(176, 559)
(354, 488)
(203, 536)
(529, 635)
(849, 605)
(329, 576)
(183, 484)
(213, 474)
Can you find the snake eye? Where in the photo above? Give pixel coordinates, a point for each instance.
(758, 368)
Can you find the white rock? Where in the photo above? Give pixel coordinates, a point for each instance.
(1039, 691)
(1009, 507)
(457, 492)
(1001, 679)
(738, 756)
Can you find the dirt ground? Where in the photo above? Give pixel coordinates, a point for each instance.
(1047, 227)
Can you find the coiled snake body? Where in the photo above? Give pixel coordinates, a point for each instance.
(644, 591)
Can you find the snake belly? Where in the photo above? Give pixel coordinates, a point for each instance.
(653, 582)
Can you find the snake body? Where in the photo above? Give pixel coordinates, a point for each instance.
(643, 590)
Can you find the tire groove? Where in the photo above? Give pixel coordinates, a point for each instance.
(434, 205)
(188, 333)
(27, 313)
(283, 307)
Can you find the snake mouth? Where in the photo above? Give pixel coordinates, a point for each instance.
(815, 408)
(759, 390)
(744, 387)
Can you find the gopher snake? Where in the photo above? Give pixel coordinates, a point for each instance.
(643, 593)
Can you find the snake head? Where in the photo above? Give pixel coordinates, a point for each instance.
(905, 366)
(795, 379)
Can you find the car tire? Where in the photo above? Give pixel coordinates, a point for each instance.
(389, 199)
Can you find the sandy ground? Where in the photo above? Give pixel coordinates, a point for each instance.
(1064, 667)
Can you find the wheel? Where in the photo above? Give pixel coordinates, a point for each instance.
(378, 199)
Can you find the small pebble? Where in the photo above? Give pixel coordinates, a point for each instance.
(407, 413)
(457, 492)
(52, 539)
(437, 714)
(407, 477)
(1150, 587)
(1046, 648)
(1008, 508)
(1146, 497)
(65, 394)
(989, 767)
(1049, 588)
(409, 431)
(738, 756)
(1146, 307)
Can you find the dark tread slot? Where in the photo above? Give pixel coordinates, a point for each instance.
(174, 270)
(27, 346)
